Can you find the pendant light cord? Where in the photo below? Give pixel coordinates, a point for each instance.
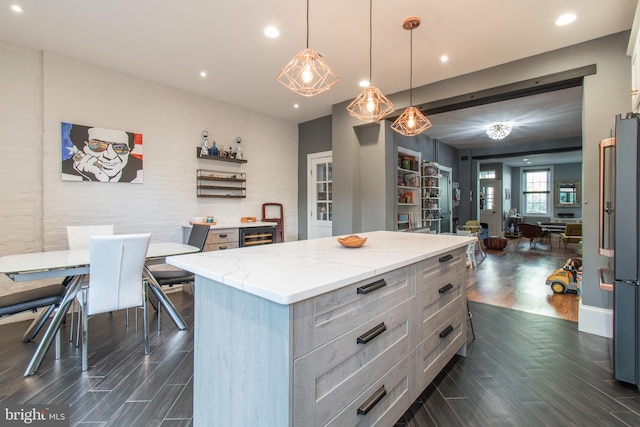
(370, 40)
(411, 68)
(307, 24)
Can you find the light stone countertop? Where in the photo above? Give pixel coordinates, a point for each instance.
(236, 224)
(289, 272)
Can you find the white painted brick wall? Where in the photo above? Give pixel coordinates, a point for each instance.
(41, 90)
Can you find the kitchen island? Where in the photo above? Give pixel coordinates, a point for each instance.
(311, 333)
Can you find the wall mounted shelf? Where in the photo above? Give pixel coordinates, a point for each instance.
(219, 184)
(219, 158)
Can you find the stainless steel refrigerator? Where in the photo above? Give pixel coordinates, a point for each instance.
(619, 236)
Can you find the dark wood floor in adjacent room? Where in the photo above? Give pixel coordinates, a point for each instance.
(523, 369)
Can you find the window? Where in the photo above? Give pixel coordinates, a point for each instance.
(536, 190)
(487, 175)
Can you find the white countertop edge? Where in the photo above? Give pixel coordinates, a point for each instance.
(236, 225)
(207, 265)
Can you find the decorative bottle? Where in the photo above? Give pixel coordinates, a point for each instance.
(213, 151)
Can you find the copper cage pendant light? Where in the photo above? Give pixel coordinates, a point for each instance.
(411, 122)
(371, 105)
(307, 74)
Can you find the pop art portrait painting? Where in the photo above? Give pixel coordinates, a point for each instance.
(101, 155)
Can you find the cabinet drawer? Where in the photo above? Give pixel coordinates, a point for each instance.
(440, 302)
(433, 315)
(329, 377)
(384, 402)
(325, 317)
(220, 246)
(437, 271)
(223, 235)
(447, 336)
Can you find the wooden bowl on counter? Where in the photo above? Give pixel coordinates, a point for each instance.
(352, 241)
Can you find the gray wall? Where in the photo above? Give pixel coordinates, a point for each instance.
(604, 95)
(314, 137)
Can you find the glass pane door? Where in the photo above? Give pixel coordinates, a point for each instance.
(320, 195)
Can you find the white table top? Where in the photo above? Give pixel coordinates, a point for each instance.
(57, 263)
(293, 271)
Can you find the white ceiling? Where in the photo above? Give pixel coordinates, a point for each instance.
(170, 42)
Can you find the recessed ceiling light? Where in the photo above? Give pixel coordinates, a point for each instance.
(203, 74)
(17, 8)
(565, 19)
(364, 83)
(296, 106)
(444, 58)
(271, 32)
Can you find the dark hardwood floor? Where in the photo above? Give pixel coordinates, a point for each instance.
(523, 369)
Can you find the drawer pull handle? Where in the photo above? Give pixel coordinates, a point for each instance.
(222, 236)
(372, 401)
(446, 331)
(371, 287)
(222, 247)
(445, 288)
(371, 334)
(445, 258)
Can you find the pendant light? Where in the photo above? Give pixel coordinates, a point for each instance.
(307, 74)
(411, 122)
(371, 105)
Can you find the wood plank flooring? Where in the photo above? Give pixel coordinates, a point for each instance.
(515, 278)
(523, 369)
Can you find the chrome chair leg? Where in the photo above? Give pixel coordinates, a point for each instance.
(37, 323)
(85, 333)
(145, 316)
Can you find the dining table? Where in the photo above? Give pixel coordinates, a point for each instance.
(73, 264)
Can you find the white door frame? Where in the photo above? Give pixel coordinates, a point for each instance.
(316, 228)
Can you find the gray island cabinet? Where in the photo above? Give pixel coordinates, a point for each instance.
(309, 333)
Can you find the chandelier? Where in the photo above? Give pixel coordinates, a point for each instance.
(371, 105)
(499, 130)
(307, 74)
(411, 122)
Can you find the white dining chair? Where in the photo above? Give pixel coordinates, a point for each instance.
(78, 235)
(78, 238)
(471, 248)
(115, 281)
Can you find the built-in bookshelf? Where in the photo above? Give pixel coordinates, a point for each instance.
(430, 196)
(408, 189)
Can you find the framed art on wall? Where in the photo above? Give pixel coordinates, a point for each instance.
(99, 154)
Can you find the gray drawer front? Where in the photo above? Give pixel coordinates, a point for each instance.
(436, 351)
(220, 246)
(343, 369)
(397, 387)
(321, 319)
(223, 235)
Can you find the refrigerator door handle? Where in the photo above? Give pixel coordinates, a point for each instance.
(603, 284)
(605, 205)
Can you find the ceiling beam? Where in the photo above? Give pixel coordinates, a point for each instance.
(543, 84)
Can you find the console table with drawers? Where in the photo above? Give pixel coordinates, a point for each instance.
(308, 333)
(230, 235)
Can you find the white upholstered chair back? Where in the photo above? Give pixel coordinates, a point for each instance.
(115, 272)
(78, 235)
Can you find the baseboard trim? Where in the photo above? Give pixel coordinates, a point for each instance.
(595, 320)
